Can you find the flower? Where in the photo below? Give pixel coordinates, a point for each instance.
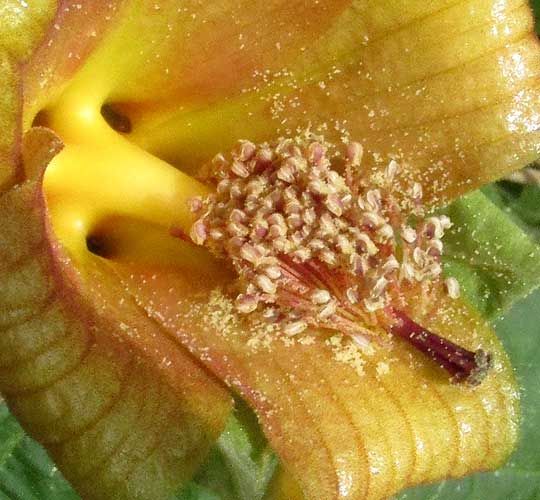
(125, 335)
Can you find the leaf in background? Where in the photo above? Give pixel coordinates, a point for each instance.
(26, 472)
(535, 4)
(240, 465)
(520, 202)
(495, 262)
(193, 491)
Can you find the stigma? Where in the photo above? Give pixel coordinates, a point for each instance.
(316, 242)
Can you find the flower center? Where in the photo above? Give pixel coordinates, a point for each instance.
(314, 243)
(95, 200)
(312, 240)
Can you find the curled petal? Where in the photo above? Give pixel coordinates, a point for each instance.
(75, 349)
(374, 422)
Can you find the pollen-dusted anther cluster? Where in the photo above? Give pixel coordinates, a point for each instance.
(314, 245)
(305, 237)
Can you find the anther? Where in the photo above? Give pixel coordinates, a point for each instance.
(308, 243)
(295, 328)
(320, 297)
(333, 203)
(245, 151)
(359, 265)
(198, 232)
(195, 204)
(273, 272)
(344, 245)
(302, 254)
(246, 303)
(366, 244)
(249, 253)
(352, 295)
(373, 198)
(417, 191)
(219, 162)
(408, 234)
(316, 153)
(420, 257)
(386, 232)
(240, 169)
(390, 265)
(435, 248)
(266, 284)
(372, 220)
(328, 310)
(355, 151)
(328, 257)
(287, 172)
(391, 170)
(379, 287)
(452, 287)
(433, 228)
(295, 221)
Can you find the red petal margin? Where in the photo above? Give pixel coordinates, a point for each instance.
(339, 433)
(124, 411)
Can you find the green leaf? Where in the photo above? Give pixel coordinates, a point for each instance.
(26, 472)
(241, 464)
(535, 4)
(194, 491)
(521, 204)
(495, 262)
(11, 434)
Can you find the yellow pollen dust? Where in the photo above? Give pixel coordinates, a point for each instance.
(312, 241)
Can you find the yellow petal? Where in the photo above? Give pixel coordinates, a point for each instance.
(344, 427)
(450, 88)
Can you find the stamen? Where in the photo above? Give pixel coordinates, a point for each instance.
(314, 248)
(452, 286)
(463, 365)
(295, 328)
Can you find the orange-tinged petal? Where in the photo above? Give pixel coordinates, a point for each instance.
(89, 375)
(9, 121)
(20, 31)
(283, 487)
(132, 46)
(341, 433)
(449, 87)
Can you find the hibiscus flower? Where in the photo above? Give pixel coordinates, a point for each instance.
(121, 348)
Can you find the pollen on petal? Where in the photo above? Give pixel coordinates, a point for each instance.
(313, 241)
